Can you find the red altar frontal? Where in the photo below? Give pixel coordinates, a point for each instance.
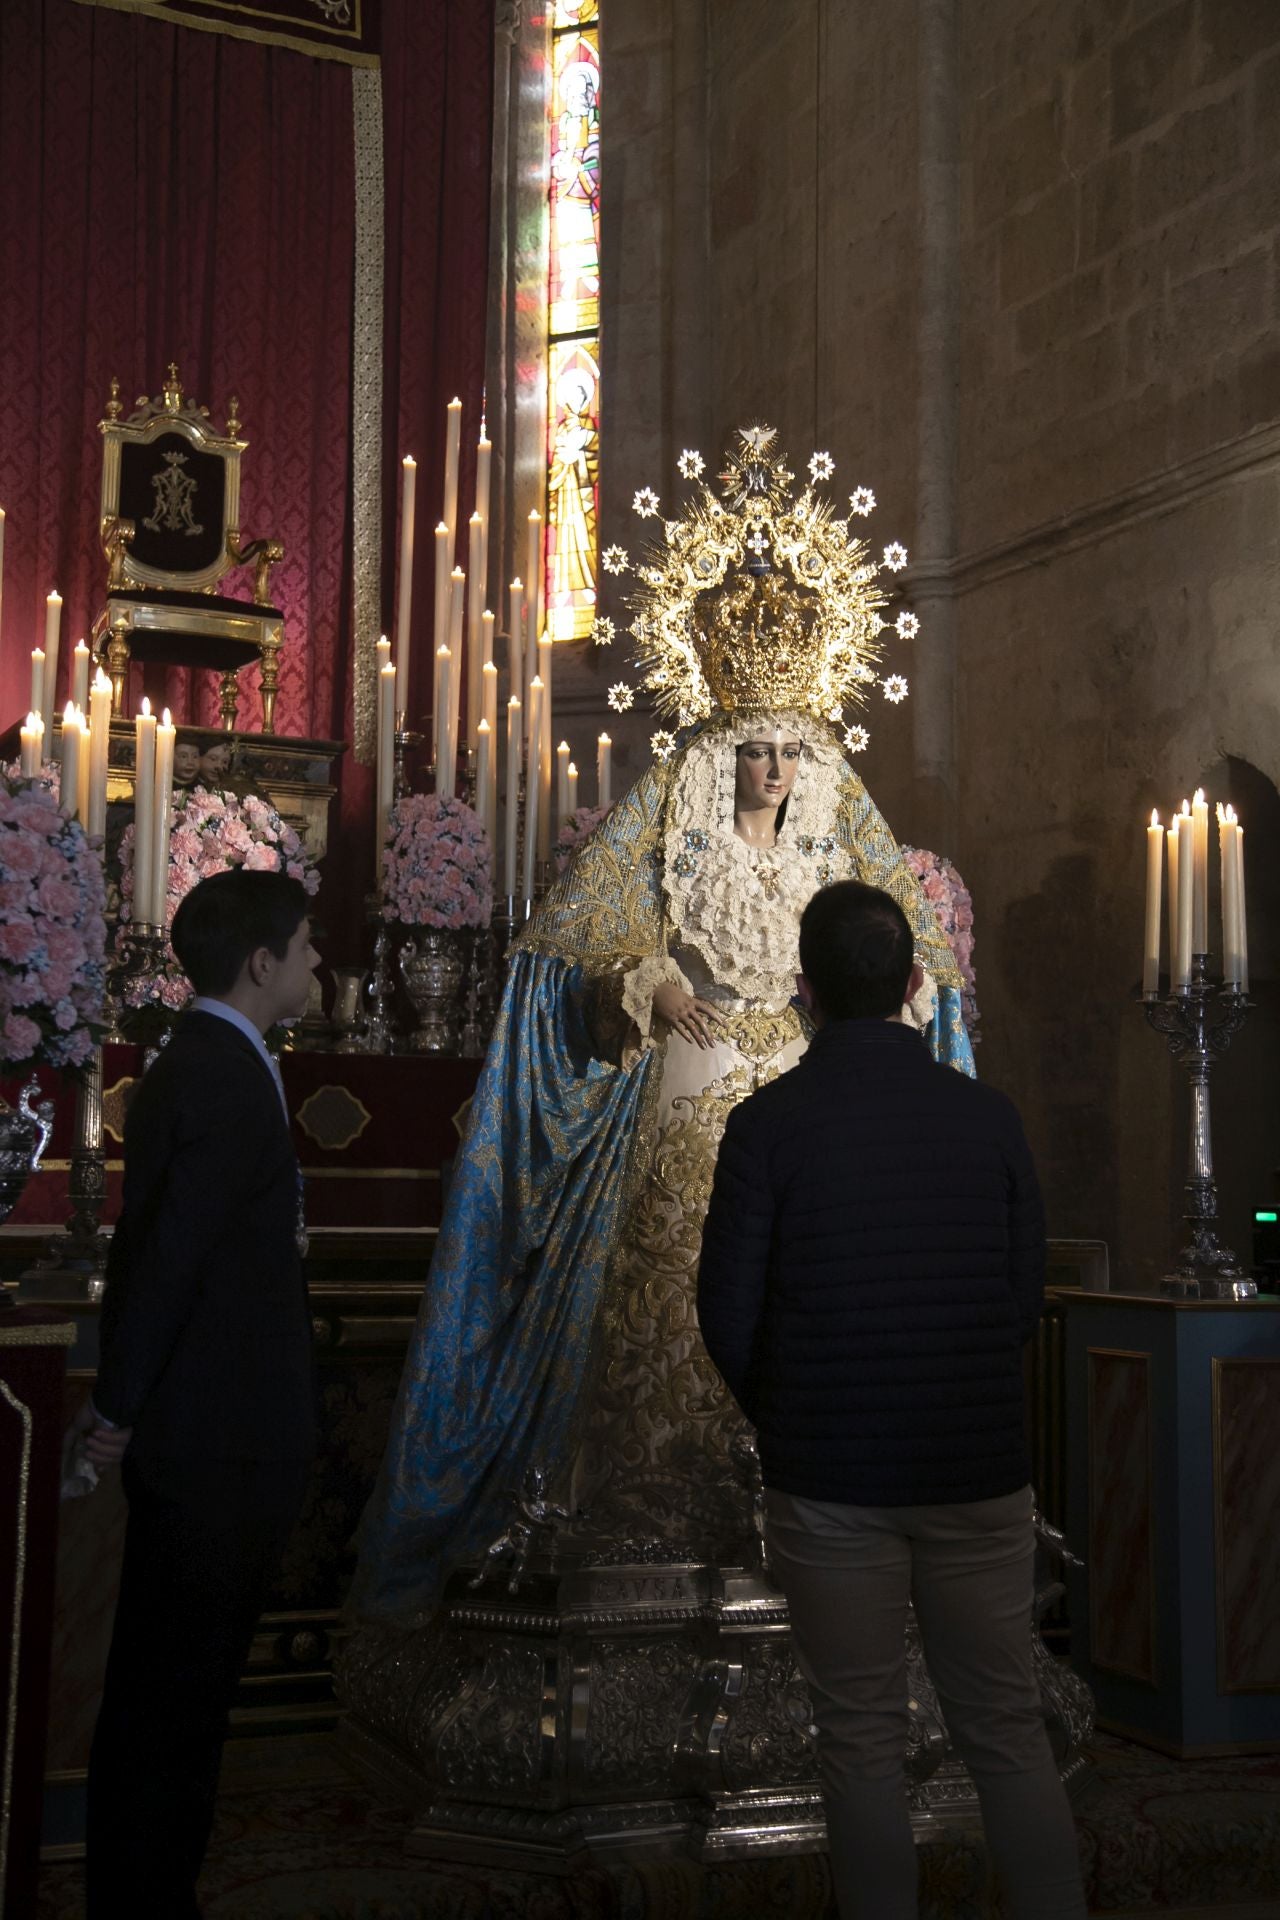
(375, 1135)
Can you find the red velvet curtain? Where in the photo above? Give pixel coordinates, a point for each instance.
(174, 194)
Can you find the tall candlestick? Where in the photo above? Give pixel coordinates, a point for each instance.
(572, 776)
(52, 631)
(166, 736)
(484, 759)
(511, 878)
(30, 747)
(385, 776)
(83, 765)
(408, 492)
(562, 782)
(1151, 937)
(69, 749)
(37, 680)
(532, 792)
(1200, 872)
(458, 663)
(484, 457)
(475, 606)
(604, 771)
(444, 756)
(1186, 896)
(515, 639)
(1242, 923)
(80, 676)
(452, 448)
(533, 572)
(1230, 904)
(144, 812)
(99, 751)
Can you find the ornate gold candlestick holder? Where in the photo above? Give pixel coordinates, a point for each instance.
(1198, 1022)
(379, 1026)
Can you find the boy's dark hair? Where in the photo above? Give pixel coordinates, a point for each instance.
(229, 916)
(856, 951)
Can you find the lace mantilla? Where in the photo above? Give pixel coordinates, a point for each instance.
(739, 906)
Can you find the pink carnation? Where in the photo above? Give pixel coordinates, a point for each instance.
(21, 1037)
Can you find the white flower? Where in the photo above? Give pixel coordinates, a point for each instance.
(690, 463)
(645, 502)
(895, 688)
(603, 630)
(862, 501)
(895, 556)
(821, 467)
(856, 738)
(614, 560)
(621, 696)
(663, 744)
(908, 626)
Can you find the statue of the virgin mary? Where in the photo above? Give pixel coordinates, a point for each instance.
(652, 990)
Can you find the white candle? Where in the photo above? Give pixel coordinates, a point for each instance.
(1230, 905)
(52, 631)
(82, 789)
(573, 788)
(1186, 895)
(29, 746)
(166, 735)
(37, 680)
(604, 771)
(453, 445)
(1171, 843)
(1242, 923)
(1200, 871)
(69, 748)
(511, 878)
(562, 782)
(99, 751)
(533, 570)
(80, 676)
(388, 694)
(515, 638)
(486, 638)
(444, 766)
(144, 812)
(458, 663)
(484, 457)
(489, 694)
(532, 792)
(408, 490)
(546, 756)
(1151, 938)
(382, 652)
(475, 606)
(444, 566)
(484, 761)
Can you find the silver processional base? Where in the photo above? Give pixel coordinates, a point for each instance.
(623, 1711)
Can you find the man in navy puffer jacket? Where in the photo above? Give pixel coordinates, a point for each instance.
(872, 1264)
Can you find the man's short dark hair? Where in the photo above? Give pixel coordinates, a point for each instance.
(229, 916)
(856, 951)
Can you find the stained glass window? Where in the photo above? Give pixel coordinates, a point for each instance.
(573, 359)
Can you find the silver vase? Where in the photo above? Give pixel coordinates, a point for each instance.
(24, 1135)
(431, 966)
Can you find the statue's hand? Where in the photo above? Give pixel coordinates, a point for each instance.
(693, 1019)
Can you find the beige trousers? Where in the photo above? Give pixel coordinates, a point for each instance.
(848, 1574)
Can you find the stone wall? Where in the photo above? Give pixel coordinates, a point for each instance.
(1014, 263)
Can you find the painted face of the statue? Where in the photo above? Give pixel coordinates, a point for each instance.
(767, 767)
(214, 762)
(186, 763)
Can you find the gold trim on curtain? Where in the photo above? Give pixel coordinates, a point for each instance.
(366, 407)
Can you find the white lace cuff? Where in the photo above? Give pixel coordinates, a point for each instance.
(640, 985)
(919, 1011)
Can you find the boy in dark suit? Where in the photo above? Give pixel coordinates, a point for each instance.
(872, 1264)
(205, 1388)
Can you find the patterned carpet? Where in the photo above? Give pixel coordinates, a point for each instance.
(298, 1837)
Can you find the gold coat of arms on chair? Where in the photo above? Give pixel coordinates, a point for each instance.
(170, 525)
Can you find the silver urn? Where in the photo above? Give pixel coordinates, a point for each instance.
(24, 1135)
(432, 966)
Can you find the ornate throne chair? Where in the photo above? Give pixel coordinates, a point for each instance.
(170, 526)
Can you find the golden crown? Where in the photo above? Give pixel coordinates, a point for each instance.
(759, 600)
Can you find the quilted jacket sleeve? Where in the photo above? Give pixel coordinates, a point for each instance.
(737, 1242)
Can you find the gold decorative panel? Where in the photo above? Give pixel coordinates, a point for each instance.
(1246, 1519)
(1120, 1550)
(333, 1117)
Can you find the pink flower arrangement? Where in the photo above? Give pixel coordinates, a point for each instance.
(952, 904)
(437, 868)
(53, 931)
(208, 832)
(574, 829)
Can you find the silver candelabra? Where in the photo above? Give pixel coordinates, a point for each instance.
(1198, 1022)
